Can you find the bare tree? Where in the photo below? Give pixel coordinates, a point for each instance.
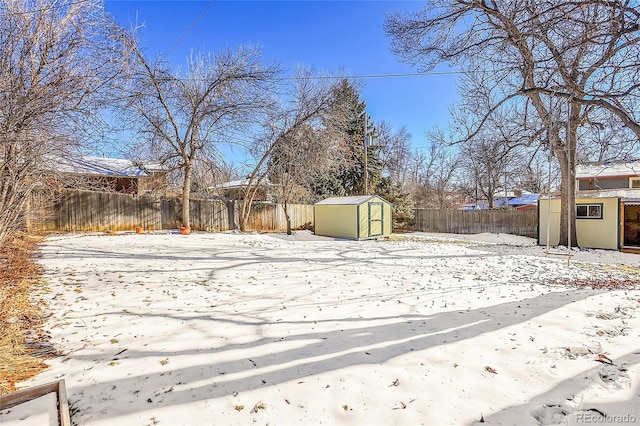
(395, 151)
(535, 54)
(433, 172)
(490, 156)
(489, 161)
(185, 117)
(294, 144)
(293, 163)
(210, 174)
(57, 58)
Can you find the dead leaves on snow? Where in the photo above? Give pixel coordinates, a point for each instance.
(490, 370)
(257, 407)
(403, 406)
(604, 359)
(260, 405)
(608, 283)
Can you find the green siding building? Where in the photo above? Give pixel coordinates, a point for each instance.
(357, 217)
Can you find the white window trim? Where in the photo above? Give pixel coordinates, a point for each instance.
(635, 180)
(587, 205)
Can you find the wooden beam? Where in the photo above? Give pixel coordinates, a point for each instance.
(25, 395)
(633, 250)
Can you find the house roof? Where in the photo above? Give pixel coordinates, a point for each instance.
(346, 201)
(608, 169)
(626, 195)
(469, 207)
(610, 193)
(524, 200)
(101, 166)
(238, 184)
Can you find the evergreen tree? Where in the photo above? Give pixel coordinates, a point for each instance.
(325, 185)
(403, 207)
(348, 119)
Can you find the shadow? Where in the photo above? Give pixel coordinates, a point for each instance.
(324, 255)
(222, 369)
(564, 403)
(292, 350)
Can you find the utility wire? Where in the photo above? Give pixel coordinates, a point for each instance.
(371, 76)
(191, 27)
(336, 77)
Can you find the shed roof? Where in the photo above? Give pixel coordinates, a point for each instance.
(347, 201)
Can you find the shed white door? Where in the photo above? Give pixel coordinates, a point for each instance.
(376, 219)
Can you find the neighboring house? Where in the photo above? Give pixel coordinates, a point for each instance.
(524, 202)
(607, 208)
(110, 174)
(235, 190)
(519, 200)
(607, 176)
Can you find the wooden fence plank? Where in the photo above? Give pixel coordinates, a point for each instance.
(102, 211)
(515, 222)
(76, 211)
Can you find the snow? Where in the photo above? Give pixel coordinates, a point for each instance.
(353, 200)
(608, 169)
(102, 166)
(36, 412)
(230, 328)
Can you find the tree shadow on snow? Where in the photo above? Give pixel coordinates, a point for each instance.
(564, 403)
(303, 354)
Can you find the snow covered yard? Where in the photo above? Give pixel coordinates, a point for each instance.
(241, 329)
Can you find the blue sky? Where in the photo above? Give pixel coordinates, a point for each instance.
(330, 36)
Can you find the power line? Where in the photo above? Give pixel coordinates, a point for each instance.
(182, 37)
(296, 78)
(338, 77)
(371, 76)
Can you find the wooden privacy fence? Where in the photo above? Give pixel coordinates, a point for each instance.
(514, 222)
(103, 211)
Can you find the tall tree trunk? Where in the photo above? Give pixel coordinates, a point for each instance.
(247, 202)
(566, 155)
(186, 193)
(244, 214)
(567, 202)
(285, 206)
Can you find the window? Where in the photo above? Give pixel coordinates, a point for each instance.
(634, 183)
(588, 211)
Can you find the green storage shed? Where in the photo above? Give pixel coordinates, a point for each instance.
(357, 217)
